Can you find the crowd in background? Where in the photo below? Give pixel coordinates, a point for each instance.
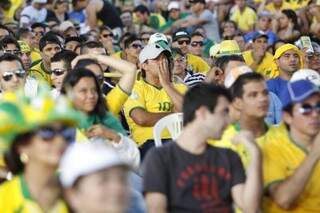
(83, 83)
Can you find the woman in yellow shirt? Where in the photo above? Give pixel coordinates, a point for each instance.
(36, 136)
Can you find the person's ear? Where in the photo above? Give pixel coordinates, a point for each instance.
(237, 103)
(287, 117)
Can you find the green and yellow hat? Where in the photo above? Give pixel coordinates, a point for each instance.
(25, 48)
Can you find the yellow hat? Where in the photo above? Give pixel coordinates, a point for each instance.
(24, 47)
(226, 47)
(284, 48)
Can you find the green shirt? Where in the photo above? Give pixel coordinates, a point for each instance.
(170, 22)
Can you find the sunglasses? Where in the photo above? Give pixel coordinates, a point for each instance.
(181, 42)
(107, 35)
(136, 46)
(307, 109)
(197, 43)
(48, 133)
(58, 72)
(8, 75)
(13, 52)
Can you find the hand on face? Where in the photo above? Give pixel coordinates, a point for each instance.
(164, 71)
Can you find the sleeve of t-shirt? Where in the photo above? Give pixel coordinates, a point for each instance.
(154, 173)
(238, 175)
(115, 100)
(135, 100)
(154, 22)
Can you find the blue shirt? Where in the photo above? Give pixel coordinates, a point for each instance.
(77, 16)
(276, 85)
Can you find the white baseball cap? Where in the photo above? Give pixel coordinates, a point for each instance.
(66, 25)
(152, 51)
(84, 158)
(173, 5)
(306, 74)
(156, 37)
(234, 73)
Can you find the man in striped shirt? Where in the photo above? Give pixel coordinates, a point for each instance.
(180, 71)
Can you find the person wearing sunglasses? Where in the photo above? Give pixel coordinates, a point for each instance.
(83, 86)
(60, 65)
(107, 39)
(291, 163)
(197, 44)
(181, 39)
(34, 146)
(10, 45)
(49, 45)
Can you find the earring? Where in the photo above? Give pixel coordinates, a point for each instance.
(24, 158)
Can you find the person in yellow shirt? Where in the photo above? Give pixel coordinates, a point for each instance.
(276, 6)
(153, 97)
(291, 163)
(259, 59)
(36, 133)
(244, 16)
(181, 40)
(250, 96)
(49, 45)
(10, 12)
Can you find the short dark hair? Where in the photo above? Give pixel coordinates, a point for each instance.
(141, 9)
(202, 95)
(10, 57)
(197, 34)
(237, 87)
(66, 56)
(7, 29)
(48, 38)
(131, 38)
(85, 62)
(73, 38)
(90, 45)
(222, 61)
(73, 77)
(22, 33)
(8, 40)
(38, 24)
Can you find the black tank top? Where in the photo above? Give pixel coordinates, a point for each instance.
(109, 15)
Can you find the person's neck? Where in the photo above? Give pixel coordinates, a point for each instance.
(301, 139)
(285, 75)
(199, 12)
(42, 181)
(153, 81)
(182, 75)
(59, 13)
(46, 65)
(132, 59)
(256, 125)
(242, 9)
(193, 139)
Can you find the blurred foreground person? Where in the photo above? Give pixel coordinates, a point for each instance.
(35, 136)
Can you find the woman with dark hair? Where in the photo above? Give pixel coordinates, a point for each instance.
(82, 85)
(285, 25)
(229, 30)
(35, 136)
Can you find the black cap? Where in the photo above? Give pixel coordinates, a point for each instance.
(181, 33)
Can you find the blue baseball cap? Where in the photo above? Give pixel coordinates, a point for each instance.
(297, 91)
(259, 34)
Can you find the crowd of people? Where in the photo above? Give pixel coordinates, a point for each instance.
(84, 82)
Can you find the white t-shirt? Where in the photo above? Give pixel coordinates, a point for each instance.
(30, 15)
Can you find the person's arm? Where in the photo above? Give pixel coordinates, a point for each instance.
(156, 202)
(91, 11)
(286, 192)
(144, 118)
(165, 80)
(127, 69)
(248, 195)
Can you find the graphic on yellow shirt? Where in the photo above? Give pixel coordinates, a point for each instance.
(15, 198)
(280, 160)
(151, 99)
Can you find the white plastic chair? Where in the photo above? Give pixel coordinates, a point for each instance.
(172, 122)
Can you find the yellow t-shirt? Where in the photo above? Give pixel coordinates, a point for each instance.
(115, 100)
(265, 68)
(272, 9)
(298, 4)
(233, 129)
(151, 99)
(15, 197)
(9, 14)
(197, 64)
(35, 55)
(245, 20)
(39, 72)
(280, 159)
(117, 55)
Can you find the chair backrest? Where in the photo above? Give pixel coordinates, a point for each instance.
(172, 122)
